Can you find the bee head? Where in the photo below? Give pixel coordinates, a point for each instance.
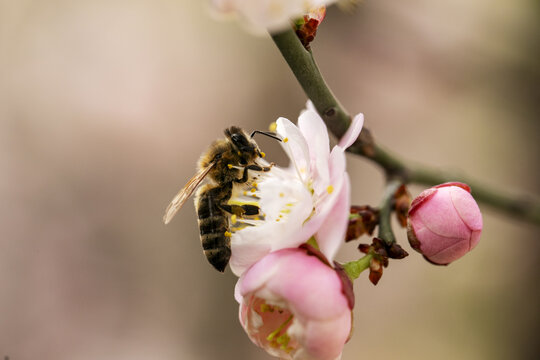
(242, 143)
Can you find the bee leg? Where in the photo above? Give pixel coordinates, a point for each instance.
(233, 209)
(240, 210)
(244, 177)
(251, 209)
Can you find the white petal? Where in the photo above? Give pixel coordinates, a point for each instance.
(246, 250)
(331, 234)
(295, 146)
(237, 294)
(324, 206)
(286, 203)
(337, 164)
(310, 106)
(328, 196)
(267, 15)
(352, 132)
(314, 130)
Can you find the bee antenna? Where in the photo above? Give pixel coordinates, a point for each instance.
(269, 134)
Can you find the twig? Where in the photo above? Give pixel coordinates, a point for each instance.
(337, 119)
(385, 212)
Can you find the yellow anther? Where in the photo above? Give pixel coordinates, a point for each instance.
(245, 193)
(329, 189)
(277, 220)
(254, 184)
(285, 140)
(239, 153)
(280, 215)
(253, 190)
(233, 219)
(263, 154)
(228, 234)
(272, 127)
(283, 340)
(281, 194)
(230, 166)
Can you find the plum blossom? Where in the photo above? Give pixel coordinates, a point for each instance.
(445, 223)
(294, 306)
(309, 198)
(267, 15)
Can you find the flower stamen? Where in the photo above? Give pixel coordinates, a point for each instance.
(276, 341)
(267, 308)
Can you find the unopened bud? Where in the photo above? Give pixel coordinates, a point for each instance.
(444, 223)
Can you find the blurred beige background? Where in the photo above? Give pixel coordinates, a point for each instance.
(105, 107)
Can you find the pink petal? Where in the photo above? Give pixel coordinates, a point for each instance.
(451, 253)
(424, 196)
(305, 287)
(466, 207)
(258, 275)
(475, 238)
(440, 216)
(352, 132)
(331, 234)
(311, 288)
(432, 243)
(325, 339)
(454, 183)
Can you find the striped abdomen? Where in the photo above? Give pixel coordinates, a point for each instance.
(214, 224)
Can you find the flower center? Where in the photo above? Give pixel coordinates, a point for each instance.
(270, 325)
(274, 202)
(281, 341)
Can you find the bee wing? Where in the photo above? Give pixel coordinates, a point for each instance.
(185, 193)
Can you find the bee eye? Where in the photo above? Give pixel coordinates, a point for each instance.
(239, 140)
(236, 138)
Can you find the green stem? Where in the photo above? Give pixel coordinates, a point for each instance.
(337, 119)
(385, 212)
(355, 268)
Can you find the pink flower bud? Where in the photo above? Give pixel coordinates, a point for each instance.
(444, 223)
(294, 306)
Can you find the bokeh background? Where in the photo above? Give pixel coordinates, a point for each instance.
(105, 107)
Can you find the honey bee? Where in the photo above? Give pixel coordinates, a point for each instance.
(225, 162)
